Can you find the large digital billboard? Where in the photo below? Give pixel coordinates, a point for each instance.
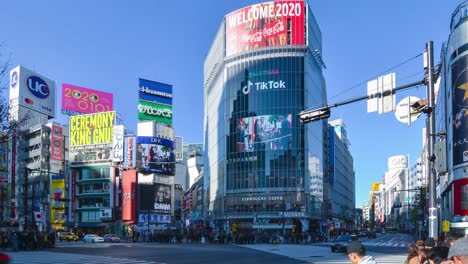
(268, 24)
(32, 90)
(258, 132)
(162, 198)
(92, 129)
(80, 100)
(460, 110)
(154, 154)
(151, 111)
(155, 92)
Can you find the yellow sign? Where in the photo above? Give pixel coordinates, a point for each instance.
(445, 226)
(57, 194)
(92, 129)
(375, 186)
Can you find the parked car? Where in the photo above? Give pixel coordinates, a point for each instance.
(112, 238)
(68, 236)
(372, 234)
(93, 239)
(341, 242)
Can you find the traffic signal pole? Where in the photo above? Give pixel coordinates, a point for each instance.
(431, 140)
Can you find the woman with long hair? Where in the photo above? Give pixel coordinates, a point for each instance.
(413, 255)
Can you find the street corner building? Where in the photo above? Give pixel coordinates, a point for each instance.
(264, 67)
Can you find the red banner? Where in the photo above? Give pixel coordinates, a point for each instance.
(57, 143)
(267, 24)
(129, 205)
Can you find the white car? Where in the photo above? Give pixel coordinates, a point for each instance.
(93, 239)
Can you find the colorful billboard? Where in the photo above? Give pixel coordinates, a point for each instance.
(268, 24)
(162, 198)
(90, 154)
(258, 132)
(460, 110)
(57, 143)
(92, 129)
(149, 111)
(58, 200)
(32, 90)
(376, 186)
(80, 100)
(129, 187)
(154, 154)
(155, 92)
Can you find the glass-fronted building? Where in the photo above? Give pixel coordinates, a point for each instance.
(263, 68)
(451, 119)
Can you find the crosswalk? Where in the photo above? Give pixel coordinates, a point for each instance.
(44, 257)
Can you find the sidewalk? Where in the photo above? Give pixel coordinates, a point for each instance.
(316, 254)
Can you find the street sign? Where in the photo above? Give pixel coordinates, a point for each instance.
(445, 226)
(381, 97)
(404, 112)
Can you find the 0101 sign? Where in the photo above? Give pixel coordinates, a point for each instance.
(77, 99)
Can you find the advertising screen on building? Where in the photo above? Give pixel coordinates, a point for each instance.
(257, 131)
(150, 111)
(32, 90)
(163, 197)
(155, 92)
(154, 154)
(146, 196)
(58, 201)
(80, 100)
(268, 24)
(460, 110)
(92, 129)
(129, 187)
(57, 143)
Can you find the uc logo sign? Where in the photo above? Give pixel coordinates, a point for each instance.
(38, 87)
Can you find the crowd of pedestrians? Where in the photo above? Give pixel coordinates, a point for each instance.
(27, 240)
(445, 252)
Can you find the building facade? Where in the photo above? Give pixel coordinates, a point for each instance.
(341, 183)
(260, 72)
(452, 125)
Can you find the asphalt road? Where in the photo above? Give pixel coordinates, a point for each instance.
(181, 253)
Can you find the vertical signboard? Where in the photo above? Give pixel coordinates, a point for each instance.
(129, 185)
(58, 199)
(460, 110)
(129, 158)
(268, 24)
(33, 91)
(179, 153)
(117, 147)
(57, 143)
(80, 100)
(73, 191)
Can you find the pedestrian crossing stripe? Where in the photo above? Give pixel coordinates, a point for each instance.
(44, 257)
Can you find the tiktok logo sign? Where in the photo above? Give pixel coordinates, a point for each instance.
(38, 87)
(262, 86)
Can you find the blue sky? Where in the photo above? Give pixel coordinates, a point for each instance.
(107, 45)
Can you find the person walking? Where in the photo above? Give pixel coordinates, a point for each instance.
(413, 255)
(357, 254)
(458, 253)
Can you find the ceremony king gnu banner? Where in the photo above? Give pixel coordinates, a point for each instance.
(460, 110)
(268, 24)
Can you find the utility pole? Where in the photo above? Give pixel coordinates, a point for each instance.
(25, 199)
(431, 140)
